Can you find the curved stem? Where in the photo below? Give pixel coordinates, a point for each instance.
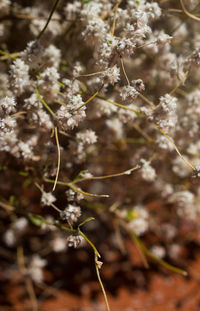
(48, 20)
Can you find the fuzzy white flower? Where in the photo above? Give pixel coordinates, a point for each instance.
(128, 92)
(148, 173)
(47, 198)
(71, 213)
(19, 73)
(35, 268)
(140, 223)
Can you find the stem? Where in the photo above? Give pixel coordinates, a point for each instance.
(176, 149)
(188, 13)
(160, 261)
(45, 104)
(72, 186)
(48, 20)
(124, 71)
(100, 282)
(127, 172)
(89, 242)
(58, 166)
(114, 18)
(84, 104)
(119, 105)
(180, 82)
(146, 100)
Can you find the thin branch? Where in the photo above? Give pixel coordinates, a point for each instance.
(58, 165)
(48, 20)
(127, 172)
(188, 13)
(100, 282)
(119, 105)
(27, 280)
(124, 71)
(180, 82)
(76, 189)
(91, 74)
(114, 18)
(176, 148)
(89, 100)
(146, 100)
(44, 103)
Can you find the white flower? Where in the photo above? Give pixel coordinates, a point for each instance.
(86, 137)
(148, 173)
(9, 237)
(19, 76)
(59, 244)
(165, 113)
(128, 92)
(140, 223)
(47, 198)
(8, 104)
(35, 268)
(158, 251)
(112, 74)
(20, 224)
(71, 213)
(115, 125)
(32, 54)
(74, 240)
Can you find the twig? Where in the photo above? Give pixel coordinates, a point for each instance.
(28, 282)
(44, 103)
(124, 71)
(180, 82)
(84, 104)
(114, 18)
(176, 148)
(48, 20)
(188, 13)
(58, 165)
(100, 282)
(119, 105)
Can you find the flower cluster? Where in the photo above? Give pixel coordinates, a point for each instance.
(106, 86)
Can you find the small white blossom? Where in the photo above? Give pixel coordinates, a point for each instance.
(158, 251)
(140, 223)
(59, 244)
(8, 104)
(112, 74)
(165, 113)
(47, 198)
(74, 240)
(128, 92)
(20, 224)
(19, 73)
(35, 268)
(148, 173)
(9, 237)
(32, 54)
(116, 127)
(87, 137)
(71, 213)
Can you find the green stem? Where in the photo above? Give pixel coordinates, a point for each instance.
(152, 256)
(45, 104)
(89, 242)
(101, 284)
(119, 105)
